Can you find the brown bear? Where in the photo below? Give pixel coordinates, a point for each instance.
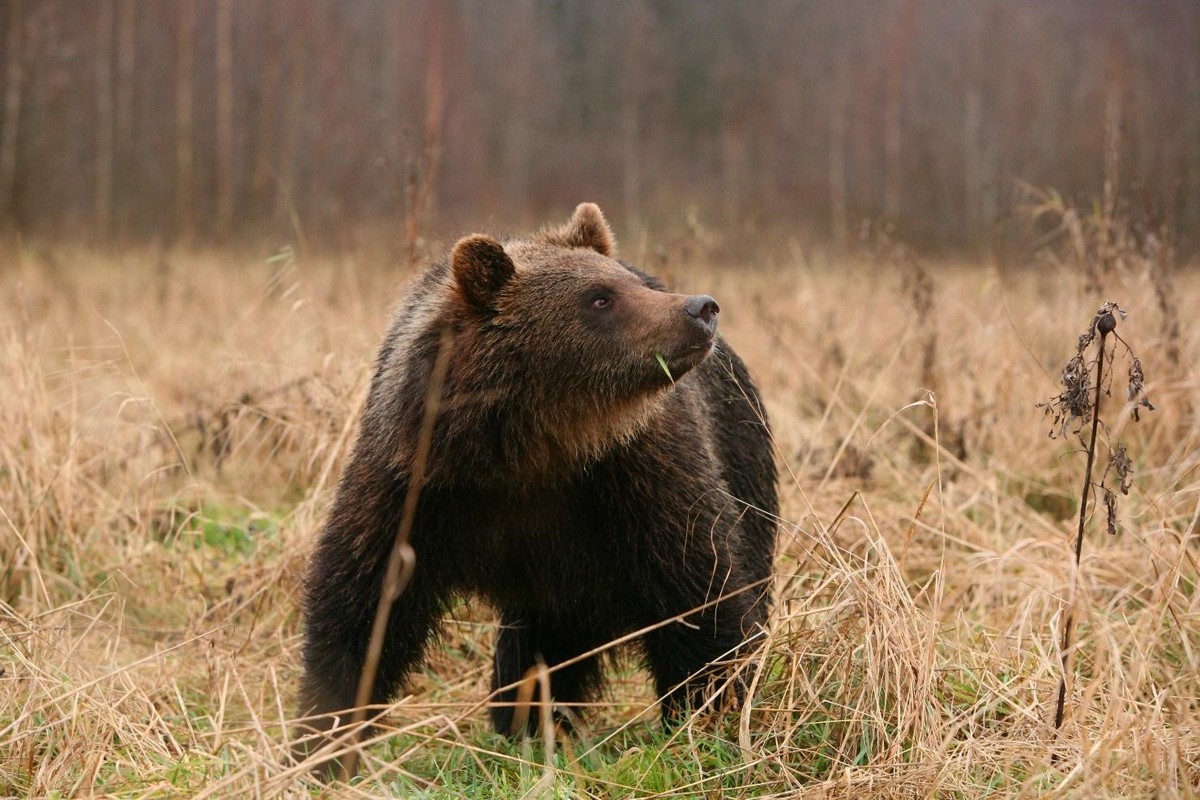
(598, 462)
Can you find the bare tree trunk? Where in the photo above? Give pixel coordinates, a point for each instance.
(631, 127)
(124, 161)
(14, 61)
(632, 165)
(1191, 210)
(972, 159)
(838, 211)
(293, 123)
(421, 188)
(1112, 173)
(435, 107)
(735, 168)
(224, 118)
(390, 77)
(185, 162)
(104, 118)
(899, 49)
(1114, 84)
(520, 77)
(260, 181)
(891, 156)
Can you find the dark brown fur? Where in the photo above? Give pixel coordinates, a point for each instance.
(570, 482)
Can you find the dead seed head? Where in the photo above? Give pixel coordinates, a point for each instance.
(1110, 507)
(1106, 320)
(1077, 380)
(1075, 401)
(1136, 392)
(1122, 465)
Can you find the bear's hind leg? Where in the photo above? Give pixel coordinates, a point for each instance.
(694, 661)
(523, 641)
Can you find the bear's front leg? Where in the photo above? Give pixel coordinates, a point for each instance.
(342, 592)
(524, 640)
(692, 659)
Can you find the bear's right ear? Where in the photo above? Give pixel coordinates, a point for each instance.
(588, 229)
(481, 268)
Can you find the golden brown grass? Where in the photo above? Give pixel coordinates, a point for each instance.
(171, 427)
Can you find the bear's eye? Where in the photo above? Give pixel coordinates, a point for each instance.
(601, 301)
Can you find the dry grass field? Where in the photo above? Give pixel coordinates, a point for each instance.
(172, 425)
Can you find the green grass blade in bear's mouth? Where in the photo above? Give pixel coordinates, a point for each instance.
(662, 362)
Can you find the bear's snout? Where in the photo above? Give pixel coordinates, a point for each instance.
(704, 310)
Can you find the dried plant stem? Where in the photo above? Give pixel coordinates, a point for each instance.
(402, 559)
(1068, 623)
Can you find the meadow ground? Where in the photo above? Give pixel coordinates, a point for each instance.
(172, 424)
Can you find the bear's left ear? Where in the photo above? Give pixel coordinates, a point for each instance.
(481, 268)
(588, 229)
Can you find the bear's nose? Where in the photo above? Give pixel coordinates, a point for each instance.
(704, 309)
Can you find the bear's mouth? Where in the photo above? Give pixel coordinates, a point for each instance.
(682, 361)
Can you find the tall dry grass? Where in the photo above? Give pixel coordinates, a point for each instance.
(171, 425)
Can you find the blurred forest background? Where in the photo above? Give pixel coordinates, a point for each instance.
(218, 120)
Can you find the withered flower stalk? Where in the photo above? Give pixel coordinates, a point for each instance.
(1104, 323)
(1080, 400)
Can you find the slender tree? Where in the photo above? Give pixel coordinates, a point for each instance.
(185, 162)
(104, 117)
(13, 75)
(224, 118)
(124, 121)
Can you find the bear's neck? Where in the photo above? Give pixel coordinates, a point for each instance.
(522, 445)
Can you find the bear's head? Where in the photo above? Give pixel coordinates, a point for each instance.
(561, 350)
